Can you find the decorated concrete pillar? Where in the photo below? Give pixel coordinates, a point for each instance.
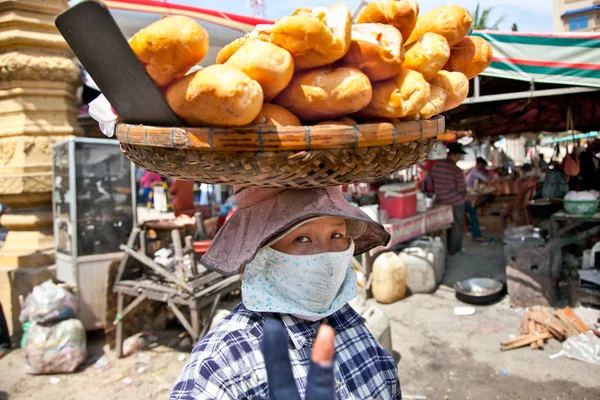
(38, 83)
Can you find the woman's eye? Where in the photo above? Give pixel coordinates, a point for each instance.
(302, 239)
(337, 236)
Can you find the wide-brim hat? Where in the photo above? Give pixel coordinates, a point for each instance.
(456, 148)
(265, 214)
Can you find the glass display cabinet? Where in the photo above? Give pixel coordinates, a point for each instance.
(94, 212)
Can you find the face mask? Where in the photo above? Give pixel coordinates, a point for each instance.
(309, 287)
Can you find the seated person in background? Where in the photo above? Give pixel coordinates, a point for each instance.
(556, 184)
(476, 175)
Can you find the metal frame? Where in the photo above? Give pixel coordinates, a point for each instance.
(478, 98)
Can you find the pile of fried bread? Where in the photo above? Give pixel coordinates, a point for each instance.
(317, 67)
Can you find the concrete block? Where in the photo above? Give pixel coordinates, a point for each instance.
(532, 277)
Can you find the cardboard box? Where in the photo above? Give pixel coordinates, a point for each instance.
(15, 282)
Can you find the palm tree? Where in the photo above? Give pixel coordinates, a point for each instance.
(480, 20)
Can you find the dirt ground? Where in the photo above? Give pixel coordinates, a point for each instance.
(441, 355)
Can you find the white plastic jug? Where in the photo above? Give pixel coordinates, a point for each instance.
(437, 248)
(379, 325)
(389, 278)
(376, 322)
(420, 265)
(421, 204)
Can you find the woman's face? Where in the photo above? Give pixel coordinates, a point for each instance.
(321, 235)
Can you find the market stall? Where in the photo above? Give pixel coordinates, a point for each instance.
(412, 221)
(540, 83)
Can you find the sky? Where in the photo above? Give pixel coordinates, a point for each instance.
(529, 15)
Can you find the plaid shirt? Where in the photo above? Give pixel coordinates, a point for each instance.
(228, 363)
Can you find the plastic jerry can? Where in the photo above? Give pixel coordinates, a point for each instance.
(420, 269)
(437, 248)
(389, 278)
(379, 325)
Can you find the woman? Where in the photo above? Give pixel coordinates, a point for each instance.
(294, 249)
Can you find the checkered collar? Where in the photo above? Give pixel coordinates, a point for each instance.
(302, 333)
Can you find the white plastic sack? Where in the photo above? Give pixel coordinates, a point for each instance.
(583, 347)
(55, 349)
(47, 303)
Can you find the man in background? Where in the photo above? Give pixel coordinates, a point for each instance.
(476, 175)
(450, 188)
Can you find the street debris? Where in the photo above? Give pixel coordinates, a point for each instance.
(583, 347)
(540, 324)
(464, 311)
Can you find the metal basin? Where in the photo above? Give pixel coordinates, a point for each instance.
(479, 290)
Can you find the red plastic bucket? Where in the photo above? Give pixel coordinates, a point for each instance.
(399, 200)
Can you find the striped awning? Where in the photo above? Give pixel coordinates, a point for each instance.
(240, 23)
(571, 59)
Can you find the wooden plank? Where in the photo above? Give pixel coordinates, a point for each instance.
(288, 138)
(573, 320)
(156, 268)
(181, 318)
(571, 329)
(525, 324)
(121, 315)
(531, 329)
(150, 285)
(206, 280)
(549, 322)
(119, 333)
(210, 315)
(524, 340)
(215, 287)
(130, 242)
(157, 296)
(206, 300)
(539, 329)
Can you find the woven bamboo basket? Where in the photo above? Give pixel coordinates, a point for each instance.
(294, 156)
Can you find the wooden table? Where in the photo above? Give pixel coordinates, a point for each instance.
(204, 288)
(561, 219)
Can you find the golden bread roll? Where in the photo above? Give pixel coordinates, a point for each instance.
(274, 115)
(219, 95)
(169, 47)
(230, 49)
(270, 65)
(436, 102)
(326, 93)
(340, 121)
(376, 50)
(452, 22)
(401, 14)
(427, 55)
(471, 56)
(405, 94)
(456, 86)
(315, 37)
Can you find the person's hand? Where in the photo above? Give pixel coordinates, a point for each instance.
(320, 381)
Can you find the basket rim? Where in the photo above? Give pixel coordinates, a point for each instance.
(281, 138)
